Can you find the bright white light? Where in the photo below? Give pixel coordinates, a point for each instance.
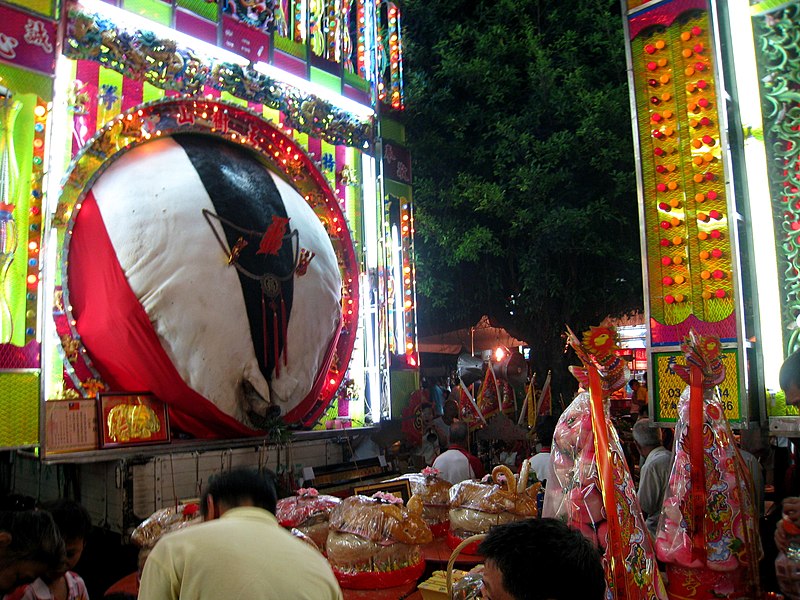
(369, 314)
(56, 159)
(52, 366)
(128, 19)
(371, 224)
(397, 255)
(764, 256)
(369, 42)
(499, 354)
(309, 87)
(632, 336)
(59, 126)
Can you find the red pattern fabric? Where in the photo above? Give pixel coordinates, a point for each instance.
(117, 333)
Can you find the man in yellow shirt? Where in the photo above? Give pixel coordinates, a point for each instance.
(239, 552)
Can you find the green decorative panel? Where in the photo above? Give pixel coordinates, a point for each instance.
(155, 10)
(403, 384)
(356, 81)
(203, 8)
(44, 7)
(778, 54)
(331, 82)
(22, 81)
(19, 407)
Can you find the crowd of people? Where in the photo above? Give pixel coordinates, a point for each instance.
(241, 551)
(652, 457)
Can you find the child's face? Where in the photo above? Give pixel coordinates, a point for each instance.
(74, 548)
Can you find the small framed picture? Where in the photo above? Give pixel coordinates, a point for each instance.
(70, 426)
(401, 489)
(132, 418)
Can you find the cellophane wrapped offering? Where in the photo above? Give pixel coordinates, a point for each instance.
(575, 497)
(435, 495)
(469, 587)
(787, 569)
(787, 563)
(725, 561)
(374, 542)
(304, 538)
(308, 511)
(165, 521)
(476, 506)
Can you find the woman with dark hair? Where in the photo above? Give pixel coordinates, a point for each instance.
(75, 525)
(30, 546)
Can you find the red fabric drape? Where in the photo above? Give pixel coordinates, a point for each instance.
(616, 545)
(697, 461)
(119, 337)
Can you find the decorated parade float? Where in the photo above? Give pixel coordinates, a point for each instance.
(206, 228)
(206, 260)
(691, 241)
(714, 105)
(715, 135)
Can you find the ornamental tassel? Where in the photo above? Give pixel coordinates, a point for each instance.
(284, 334)
(275, 339)
(264, 328)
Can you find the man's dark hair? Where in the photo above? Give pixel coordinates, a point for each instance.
(34, 537)
(545, 429)
(72, 519)
(790, 371)
(458, 432)
(544, 559)
(634, 381)
(450, 409)
(241, 487)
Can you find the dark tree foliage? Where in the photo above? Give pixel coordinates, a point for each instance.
(518, 120)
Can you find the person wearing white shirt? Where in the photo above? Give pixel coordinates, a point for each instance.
(456, 464)
(541, 463)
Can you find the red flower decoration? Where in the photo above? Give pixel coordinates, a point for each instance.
(709, 346)
(600, 341)
(273, 236)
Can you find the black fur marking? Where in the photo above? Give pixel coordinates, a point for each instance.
(244, 194)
